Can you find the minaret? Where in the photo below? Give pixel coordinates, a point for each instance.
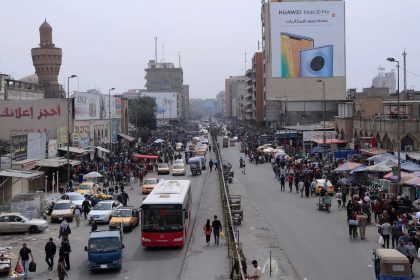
(47, 62)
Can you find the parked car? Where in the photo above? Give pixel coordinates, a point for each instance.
(75, 197)
(103, 210)
(178, 169)
(63, 209)
(163, 168)
(128, 216)
(16, 222)
(149, 184)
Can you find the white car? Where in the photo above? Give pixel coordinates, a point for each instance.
(103, 210)
(75, 197)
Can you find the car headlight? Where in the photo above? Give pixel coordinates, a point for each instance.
(117, 261)
(145, 239)
(178, 239)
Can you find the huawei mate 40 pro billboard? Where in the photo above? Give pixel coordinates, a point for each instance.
(307, 39)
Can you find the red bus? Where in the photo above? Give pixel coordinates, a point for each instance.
(166, 214)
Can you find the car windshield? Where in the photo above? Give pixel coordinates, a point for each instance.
(162, 220)
(76, 197)
(123, 213)
(150, 182)
(106, 244)
(103, 206)
(163, 166)
(178, 166)
(62, 206)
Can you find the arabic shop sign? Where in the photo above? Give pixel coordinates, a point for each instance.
(27, 116)
(19, 147)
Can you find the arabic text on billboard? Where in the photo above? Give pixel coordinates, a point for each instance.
(19, 147)
(307, 39)
(26, 116)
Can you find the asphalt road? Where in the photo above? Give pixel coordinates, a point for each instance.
(316, 242)
(138, 262)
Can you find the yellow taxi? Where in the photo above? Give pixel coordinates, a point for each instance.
(178, 169)
(128, 216)
(87, 187)
(149, 184)
(202, 150)
(320, 183)
(163, 168)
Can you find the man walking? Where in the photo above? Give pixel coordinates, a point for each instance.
(211, 165)
(125, 198)
(217, 228)
(24, 254)
(50, 250)
(86, 207)
(64, 252)
(77, 214)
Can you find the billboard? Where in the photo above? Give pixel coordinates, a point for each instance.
(166, 103)
(19, 145)
(87, 106)
(307, 39)
(115, 107)
(37, 143)
(27, 116)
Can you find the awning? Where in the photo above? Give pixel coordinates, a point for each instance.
(126, 137)
(73, 150)
(103, 149)
(373, 151)
(329, 141)
(146, 156)
(56, 162)
(21, 174)
(414, 155)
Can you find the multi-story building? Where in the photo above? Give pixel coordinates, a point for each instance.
(23, 89)
(385, 80)
(235, 91)
(220, 102)
(165, 77)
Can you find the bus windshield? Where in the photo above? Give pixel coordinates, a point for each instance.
(162, 220)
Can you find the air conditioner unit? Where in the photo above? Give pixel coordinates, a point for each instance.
(408, 148)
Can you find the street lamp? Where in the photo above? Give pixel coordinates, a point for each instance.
(325, 113)
(391, 59)
(68, 128)
(109, 118)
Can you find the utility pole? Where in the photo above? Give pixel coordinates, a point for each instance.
(68, 129)
(405, 74)
(156, 49)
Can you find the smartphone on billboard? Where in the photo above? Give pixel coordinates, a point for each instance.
(317, 62)
(291, 45)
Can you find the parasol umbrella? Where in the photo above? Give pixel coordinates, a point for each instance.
(384, 166)
(158, 141)
(415, 181)
(92, 175)
(381, 157)
(348, 166)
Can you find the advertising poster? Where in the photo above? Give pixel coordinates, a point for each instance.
(167, 104)
(87, 106)
(307, 39)
(114, 131)
(37, 143)
(115, 107)
(52, 148)
(19, 145)
(62, 136)
(19, 117)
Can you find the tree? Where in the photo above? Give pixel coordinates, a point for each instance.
(142, 112)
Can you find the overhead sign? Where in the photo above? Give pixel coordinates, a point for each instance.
(87, 106)
(26, 116)
(307, 39)
(166, 103)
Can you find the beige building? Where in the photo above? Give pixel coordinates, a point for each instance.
(24, 89)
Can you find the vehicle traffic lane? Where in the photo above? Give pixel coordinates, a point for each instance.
(316, 242)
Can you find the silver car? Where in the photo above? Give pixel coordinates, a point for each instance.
(16, 222)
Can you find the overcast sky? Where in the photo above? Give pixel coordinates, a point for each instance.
(108, 43)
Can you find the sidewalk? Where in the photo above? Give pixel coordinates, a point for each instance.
(204, 262)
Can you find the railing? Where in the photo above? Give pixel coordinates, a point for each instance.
(235, 254)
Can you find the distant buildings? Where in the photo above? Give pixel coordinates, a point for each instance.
(385, 80)
(203, 107)
(165, 77)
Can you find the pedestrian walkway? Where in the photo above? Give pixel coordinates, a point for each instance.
(202, 261)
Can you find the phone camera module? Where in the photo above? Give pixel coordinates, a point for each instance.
(317, 63)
